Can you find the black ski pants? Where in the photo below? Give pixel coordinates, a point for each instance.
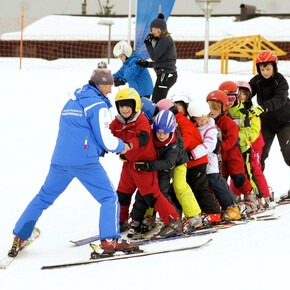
(283, 136)
(162, 85)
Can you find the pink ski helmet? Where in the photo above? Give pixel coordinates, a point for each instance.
(165, 104)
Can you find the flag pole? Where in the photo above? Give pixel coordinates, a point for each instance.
(21, 40)
(129, 21)
(135, 34)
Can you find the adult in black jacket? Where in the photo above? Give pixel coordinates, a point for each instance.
(162, 51)
(273, 107)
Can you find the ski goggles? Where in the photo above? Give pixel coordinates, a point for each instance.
(231, 99)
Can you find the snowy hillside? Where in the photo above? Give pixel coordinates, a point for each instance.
(57, 27)
(252, 256)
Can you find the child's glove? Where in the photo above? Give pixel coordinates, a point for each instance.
(257, 111)
(174, 109)
(122, 158)
(148, 39)
(119, 82)
(142, 63)
(142, 166)
(218, 146)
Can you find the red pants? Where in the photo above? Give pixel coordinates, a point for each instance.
(255, 161)
(146, 183)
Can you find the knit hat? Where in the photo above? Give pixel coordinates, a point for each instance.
(102, 76)
(159, 22)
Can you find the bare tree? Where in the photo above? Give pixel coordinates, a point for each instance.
(105, 9)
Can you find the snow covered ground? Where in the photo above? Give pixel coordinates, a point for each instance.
(252, 256)
(61, 27)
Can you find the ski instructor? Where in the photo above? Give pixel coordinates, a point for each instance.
(83, 137)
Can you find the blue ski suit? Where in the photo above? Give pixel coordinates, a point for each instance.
(83, 137)
(137, 77)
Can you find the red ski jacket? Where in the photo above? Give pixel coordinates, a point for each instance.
(231, 153)
(191, 138)
(137, 132)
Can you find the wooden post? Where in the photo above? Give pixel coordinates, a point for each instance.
(254, 65)
(160, 8)
(222, 63)
(21, 41)
(227, 64)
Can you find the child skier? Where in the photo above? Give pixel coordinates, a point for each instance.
(241, 117)
(273, 107)
(257, 141)
(171, 155)
(232, 158)
(199, 111)
(196, 169)
(137, 77)
(133, 128)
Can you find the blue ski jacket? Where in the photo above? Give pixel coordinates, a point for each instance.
(84, 133)
(137, 77)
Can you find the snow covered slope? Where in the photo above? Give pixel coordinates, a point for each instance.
(252, 256)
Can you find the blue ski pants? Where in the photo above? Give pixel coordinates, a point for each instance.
(94, 178)
(221, 190)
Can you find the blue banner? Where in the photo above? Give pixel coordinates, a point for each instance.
(147, 10)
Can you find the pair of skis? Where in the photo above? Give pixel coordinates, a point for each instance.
(125, 256)
(6, 261)
(147, 238)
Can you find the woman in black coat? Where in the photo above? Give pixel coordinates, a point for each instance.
(162, 51)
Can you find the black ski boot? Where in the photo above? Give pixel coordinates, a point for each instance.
(135, 230)
(171, 230)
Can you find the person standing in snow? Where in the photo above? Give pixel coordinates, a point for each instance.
(232, 157)
(137, 77)
(83, 138)
(257, 142)
(199, 113)
(273, 107)
(132, 126)
(240, 115)
(162, 51)
(195, 171)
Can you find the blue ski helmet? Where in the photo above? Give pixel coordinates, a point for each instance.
(149, 108)
(164, 122)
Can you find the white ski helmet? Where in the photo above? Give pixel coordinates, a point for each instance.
(122, 47)
(198, 108)
(181, 97)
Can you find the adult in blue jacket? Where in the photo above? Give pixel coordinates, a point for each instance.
(83, 137)
(137, 77)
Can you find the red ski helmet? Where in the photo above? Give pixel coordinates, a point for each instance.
(219, 96)
(231, 89)
(266, 56)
